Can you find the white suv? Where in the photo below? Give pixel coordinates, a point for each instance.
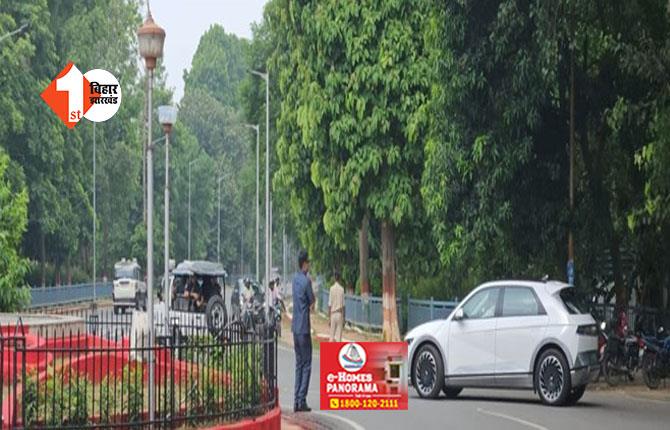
(508, 334)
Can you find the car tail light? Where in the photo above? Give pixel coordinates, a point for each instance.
(588, 330)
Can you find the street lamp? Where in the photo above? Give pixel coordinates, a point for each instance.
(266, 77)
(189, 207)
(258, 210)
(95, 227)
(167, 115)
(150, 38)
(218, 223)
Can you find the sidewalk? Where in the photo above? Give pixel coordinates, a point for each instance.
(289, 424)
(321, 330)
(635, 389)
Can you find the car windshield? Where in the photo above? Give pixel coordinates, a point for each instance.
(124, 272)
(572, 302)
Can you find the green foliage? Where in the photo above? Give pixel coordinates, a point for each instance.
(60, 400)
(13, 220)
(132, 392)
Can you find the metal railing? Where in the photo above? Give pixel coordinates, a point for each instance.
(368, 312)
(421, 311)
(65, 294)
(98, 378)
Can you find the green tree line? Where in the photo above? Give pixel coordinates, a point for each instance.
(424, 145)
(46, 169)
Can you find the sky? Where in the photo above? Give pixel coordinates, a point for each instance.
(185, 21)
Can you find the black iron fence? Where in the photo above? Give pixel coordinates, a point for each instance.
(99, 377)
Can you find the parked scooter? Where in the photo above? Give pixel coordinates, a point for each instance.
(656, 358)
(622, 353)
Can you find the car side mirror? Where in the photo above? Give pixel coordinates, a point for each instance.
(458, 314)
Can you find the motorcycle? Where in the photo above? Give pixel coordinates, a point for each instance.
(656, 358)
(275, 313)
(252, 301)
(621, 355)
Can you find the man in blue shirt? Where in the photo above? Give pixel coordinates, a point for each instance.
(303, 300)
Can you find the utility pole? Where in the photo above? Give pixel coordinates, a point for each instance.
(95, 217)
(258, 216)
(189, 207)
(571, 245)
(266, 78)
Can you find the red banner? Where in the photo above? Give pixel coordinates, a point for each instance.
(364, 375)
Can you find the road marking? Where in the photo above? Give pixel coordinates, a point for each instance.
(511, 418)
(353, 424)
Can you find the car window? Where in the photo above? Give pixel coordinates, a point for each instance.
(482, 305)
(520, 301)
(572, 302)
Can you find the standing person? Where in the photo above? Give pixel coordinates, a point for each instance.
(303, 300)
(336, 309)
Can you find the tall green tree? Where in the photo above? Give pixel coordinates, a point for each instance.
(359, 104)
(13, 221)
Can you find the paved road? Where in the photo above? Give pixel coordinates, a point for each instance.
(478, 409)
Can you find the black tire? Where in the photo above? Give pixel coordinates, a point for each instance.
(575, 395)
(216, 315)
(552, 378)
(611, 371)
(650, 372)
(452, 392)
(117, 310)
(428, 372)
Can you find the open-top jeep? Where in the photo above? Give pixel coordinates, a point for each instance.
(199, 287)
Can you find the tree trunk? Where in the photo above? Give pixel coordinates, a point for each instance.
(390, 330)
(363, 256)
(601, 200)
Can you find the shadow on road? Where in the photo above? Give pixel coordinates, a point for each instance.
(495, 399)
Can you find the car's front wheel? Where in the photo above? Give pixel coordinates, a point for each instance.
(428, 372)
(552, 378)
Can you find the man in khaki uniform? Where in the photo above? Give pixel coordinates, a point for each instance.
(336, 309)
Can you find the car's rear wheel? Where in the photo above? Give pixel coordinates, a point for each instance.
(428, 372)
(452, 392)
(575, 395)
(552, 378)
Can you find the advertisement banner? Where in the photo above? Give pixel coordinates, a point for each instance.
(364, 375)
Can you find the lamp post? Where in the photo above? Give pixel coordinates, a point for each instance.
(150, 40)
(167, 115)
(95, 219)
(258, 210)
(218, 223)
(266, 78)
(189, 207)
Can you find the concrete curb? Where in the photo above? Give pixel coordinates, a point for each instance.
(270, 421)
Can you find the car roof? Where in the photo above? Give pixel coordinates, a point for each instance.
(127, 263)
(202, 268)
(550, 287)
